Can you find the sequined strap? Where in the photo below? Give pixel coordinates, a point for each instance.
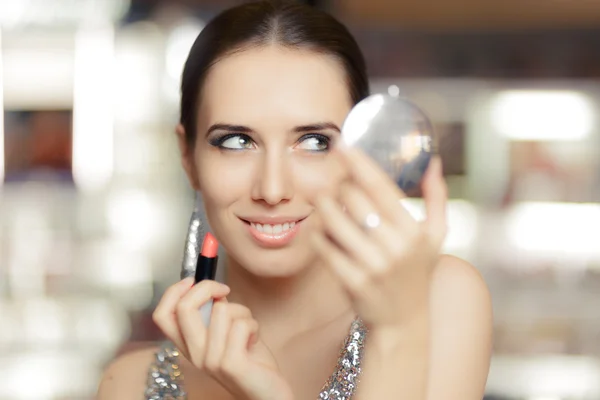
(342, 383)
(165, 379)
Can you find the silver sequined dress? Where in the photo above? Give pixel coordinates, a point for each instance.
(165, 379)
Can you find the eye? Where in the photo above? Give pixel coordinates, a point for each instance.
(233, 142)
(314, 142)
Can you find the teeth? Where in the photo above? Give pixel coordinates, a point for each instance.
(273, 229)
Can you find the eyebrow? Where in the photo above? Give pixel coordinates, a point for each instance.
(228, 128)
(319, 126)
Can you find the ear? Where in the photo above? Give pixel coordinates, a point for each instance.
(187, 157)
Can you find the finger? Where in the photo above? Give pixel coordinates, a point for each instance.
(200, 293)
(166, 307)
(435, 194)
(164, 315)
(388, 237)
(352, 277)
(221, 319)
(189, 317)
(377, 184)
(241, 333)
(344, 230)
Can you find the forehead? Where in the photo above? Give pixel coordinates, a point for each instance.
(275, 84)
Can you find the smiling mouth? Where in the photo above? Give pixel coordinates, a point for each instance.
(274, 229)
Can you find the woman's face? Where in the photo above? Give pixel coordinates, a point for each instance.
(267, 121)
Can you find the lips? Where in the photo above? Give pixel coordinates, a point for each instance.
(277, 232)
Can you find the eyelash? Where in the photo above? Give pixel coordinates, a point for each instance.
(323, 138)
(219, 140)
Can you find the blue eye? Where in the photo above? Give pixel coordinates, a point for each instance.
(233, 141)
(314, 142)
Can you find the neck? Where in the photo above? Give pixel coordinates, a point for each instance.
(286, 307)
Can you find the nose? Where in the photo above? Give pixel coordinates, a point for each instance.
(273, 183)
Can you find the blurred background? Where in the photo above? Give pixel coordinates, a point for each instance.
(94, 205)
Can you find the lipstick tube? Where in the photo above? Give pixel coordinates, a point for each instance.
(206, 268)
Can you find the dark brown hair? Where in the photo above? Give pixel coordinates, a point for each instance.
(286, 23)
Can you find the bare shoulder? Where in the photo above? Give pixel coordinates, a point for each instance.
(454, 277)
(125, 378)
(462, 330)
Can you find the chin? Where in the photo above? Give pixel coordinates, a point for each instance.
(275, 263)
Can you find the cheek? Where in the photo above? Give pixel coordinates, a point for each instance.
(316, 177)
(223, 179)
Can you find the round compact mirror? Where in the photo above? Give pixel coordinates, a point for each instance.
(396, 134)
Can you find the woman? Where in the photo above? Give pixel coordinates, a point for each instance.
(264, 91)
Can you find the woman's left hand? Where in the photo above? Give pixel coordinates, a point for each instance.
(382, 255)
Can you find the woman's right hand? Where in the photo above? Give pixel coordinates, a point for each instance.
(229, 350)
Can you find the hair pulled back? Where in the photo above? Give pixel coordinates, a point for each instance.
(285, 23)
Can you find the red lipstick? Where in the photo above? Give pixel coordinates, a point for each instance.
(206, 266)
(210, 246)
